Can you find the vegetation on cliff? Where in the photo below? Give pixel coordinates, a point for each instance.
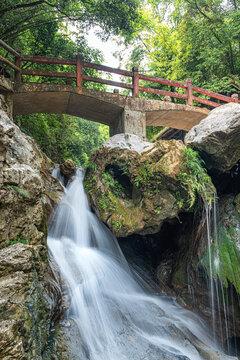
(63, 136)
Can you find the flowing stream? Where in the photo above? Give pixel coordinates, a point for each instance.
(117, 317)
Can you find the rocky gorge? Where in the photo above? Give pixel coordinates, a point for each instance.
(156, 199)
(30, 296)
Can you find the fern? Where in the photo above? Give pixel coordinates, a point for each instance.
(19, 190)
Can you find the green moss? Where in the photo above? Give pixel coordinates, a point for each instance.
(133, 191)
(225, 258)
(194, 177)
(180, 277)
(237, 204)
(36, 318)
(116, 188)
(20, 238)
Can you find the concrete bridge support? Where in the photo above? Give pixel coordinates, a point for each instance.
(130, 121)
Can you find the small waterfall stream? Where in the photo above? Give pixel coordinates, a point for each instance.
(116, 316)
(218, 297)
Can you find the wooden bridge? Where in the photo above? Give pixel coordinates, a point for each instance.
(123, 113)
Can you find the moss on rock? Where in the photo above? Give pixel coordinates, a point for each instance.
(136, 191)
(225, 250)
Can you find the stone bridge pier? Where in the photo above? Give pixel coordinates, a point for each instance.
(130, 121)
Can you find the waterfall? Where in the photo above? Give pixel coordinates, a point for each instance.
(217, 293)
(117, 317)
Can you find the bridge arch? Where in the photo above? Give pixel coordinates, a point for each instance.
(121, 113)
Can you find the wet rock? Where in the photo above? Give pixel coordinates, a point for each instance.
(164, 271)
(68, 168)
(189, 281)
(68, 343)
(217, 137)
(136, 186)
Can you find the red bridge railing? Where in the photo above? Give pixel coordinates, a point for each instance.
(135, 76)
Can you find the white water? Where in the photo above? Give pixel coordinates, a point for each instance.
(116, 317)
(217, 294)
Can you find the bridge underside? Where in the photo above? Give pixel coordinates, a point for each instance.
(121, 113)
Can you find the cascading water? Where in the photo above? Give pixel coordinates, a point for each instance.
(218, 296)
(116, 317)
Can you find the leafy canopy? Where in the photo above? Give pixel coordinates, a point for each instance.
(198, 39)
(19, 16)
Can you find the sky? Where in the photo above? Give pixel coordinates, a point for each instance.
(107, 47)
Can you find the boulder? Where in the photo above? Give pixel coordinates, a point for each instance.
(217, 137)
(135, 186)
(68, 168)
(29, 291)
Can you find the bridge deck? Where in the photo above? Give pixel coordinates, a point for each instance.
(102, 107)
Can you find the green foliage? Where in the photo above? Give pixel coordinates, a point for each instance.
(158, 210)
(153, 131)
(63, 136)
(144, 176)
(20, 238)
(225, 258)
(116, 225)
(112, 183)
(19, 190)
(183, 39)
(194, 177)
(20, 16)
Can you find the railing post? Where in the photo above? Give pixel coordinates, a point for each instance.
(135, 82)
(235, 98)
(189, 91)
(17, 74)
(79, 71)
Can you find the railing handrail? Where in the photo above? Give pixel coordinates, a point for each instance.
(134, 74)
(9, 48)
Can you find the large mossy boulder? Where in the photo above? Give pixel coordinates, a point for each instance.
(217, 137)
(136, 186)
(29, 292)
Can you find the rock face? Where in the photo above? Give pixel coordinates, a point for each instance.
(29, 292)
(191, 267)
(136, 186)
(217, 137)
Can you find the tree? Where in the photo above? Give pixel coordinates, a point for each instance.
(198, 39)
(63, 136)
(41, 27)
(19, 16)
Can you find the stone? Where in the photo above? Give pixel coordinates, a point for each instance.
(26, 186)
(129, 142)
(217, 137)
(136, 186)
(129, 121)
(29, 290)
(68, 168)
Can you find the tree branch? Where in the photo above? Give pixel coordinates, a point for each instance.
(21, 6)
